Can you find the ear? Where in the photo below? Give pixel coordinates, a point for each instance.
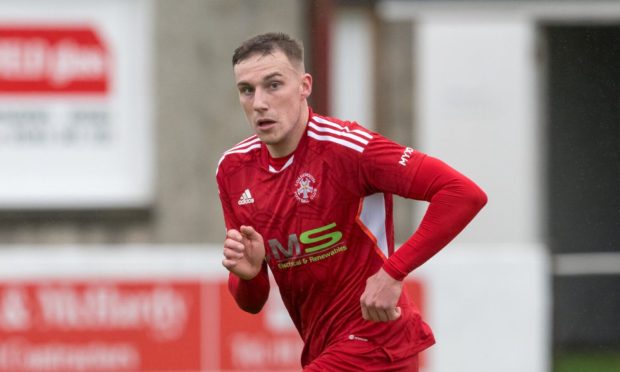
(306, 86)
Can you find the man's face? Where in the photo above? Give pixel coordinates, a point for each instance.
(273, 93)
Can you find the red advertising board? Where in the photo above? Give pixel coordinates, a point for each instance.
(53, 60)
(118, 326)
(265, 341)
(93, 325)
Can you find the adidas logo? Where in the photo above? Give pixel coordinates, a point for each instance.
(246, 198)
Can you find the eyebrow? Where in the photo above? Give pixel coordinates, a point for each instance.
(266, 78)
(271, 76)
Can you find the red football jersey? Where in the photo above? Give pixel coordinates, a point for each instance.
(326, 220)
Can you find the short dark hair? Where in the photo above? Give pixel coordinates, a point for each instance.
(267, 44)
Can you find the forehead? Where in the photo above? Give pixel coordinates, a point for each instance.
(258, 66)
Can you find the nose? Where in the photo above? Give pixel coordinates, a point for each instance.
(260, 100)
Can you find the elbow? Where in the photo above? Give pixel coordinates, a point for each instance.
(478, 198)
(473, 198)
(481, 198)
(254, 308)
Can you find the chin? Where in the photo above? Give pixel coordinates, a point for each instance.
(266, 139)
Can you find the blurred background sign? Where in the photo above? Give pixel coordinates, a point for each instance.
(74, 97)
(92, 325)
(167, 308)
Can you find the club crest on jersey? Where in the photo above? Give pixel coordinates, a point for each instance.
(305, 189)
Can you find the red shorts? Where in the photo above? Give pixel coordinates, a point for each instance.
(356, 356)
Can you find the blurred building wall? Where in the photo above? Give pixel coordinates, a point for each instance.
(523, 97)
(198, 114)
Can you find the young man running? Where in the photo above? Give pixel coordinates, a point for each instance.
(309, 198)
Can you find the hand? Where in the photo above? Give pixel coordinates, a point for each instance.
(380, 298)
(244, 252)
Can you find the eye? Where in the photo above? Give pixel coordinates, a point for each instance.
(274, 85)
(245, 90)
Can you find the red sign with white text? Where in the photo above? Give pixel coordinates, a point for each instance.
(143, 326)
(53, 60)
(267, 341)
(67, 326)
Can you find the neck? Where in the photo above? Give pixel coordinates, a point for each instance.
(288, 147)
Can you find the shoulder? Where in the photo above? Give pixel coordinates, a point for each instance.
(339, 135)
(349, 140)
(240, 153)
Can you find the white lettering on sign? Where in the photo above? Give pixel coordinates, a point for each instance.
(251, 350)
(35, 59)
(14, 315)
(161, 310)
(22, 356)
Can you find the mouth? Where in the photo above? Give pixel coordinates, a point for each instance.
(265, 123)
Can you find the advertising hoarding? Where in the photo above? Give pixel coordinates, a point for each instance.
(75, 125)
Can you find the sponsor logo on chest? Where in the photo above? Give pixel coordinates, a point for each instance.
(309, 246)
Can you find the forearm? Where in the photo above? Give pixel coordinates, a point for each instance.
(454, 202)
(252, 294)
